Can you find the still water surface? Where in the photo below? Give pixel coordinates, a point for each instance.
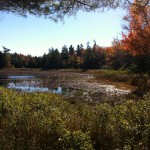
(28, 84)
(70, 86)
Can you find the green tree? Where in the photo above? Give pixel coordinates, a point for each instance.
(30, 63)
(17, 60)
(80, 54)
(43, 61)
(64, 56)
(71, 50)
(80, 50)
(53, 59)
(72, 57)
(6, 57)
(1, 60)
(90, 60)
(38, 62)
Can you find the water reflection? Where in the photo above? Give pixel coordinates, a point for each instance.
(20, 77)
(57, 90)
(27, 88)
(16, 77)
(72, 87)
(5, 80)
(23, 83)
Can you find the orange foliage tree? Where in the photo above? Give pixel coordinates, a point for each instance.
(116, 57)
(137, 41)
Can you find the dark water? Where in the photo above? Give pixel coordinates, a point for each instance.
(70, 87)
(17, 77)
(28, 84)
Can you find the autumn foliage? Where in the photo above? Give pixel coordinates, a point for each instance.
(132, 52)
(137, 41)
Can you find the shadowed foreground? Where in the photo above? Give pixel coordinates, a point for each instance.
(47, 121)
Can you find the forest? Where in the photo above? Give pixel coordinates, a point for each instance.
(131, 52)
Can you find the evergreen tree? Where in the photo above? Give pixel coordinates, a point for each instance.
(71, 50)
(64, 56)
(53, 59)
(1, 60)
(90, 60)
(6, 57)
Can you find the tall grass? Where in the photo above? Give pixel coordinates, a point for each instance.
(47, 121)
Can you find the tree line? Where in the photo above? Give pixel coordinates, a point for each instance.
(91, 57)
(131, 52)
(69, 57)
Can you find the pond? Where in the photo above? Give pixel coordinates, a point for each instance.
(28, 83)
(67, 84)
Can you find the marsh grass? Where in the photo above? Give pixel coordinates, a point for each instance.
(48, 121)
(138, 83)
(73, 84)
(113, 75)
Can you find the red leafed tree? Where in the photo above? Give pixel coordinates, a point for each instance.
(137, 41)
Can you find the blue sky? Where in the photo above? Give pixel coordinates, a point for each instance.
(34, 35)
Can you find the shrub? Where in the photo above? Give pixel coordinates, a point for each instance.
(46, 121)
(76, 140)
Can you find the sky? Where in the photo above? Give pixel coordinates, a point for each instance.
(35, 35)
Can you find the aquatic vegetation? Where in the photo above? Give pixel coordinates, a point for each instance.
(68, 84)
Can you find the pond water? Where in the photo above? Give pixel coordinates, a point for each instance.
(29, 84)
(70, 85)
(16, 77)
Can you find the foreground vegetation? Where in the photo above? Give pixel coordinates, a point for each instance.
(48, 121)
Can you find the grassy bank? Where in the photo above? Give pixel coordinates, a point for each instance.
(139, 83)
(48, 121)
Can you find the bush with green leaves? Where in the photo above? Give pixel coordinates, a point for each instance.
(36, 121)
(48, 121)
